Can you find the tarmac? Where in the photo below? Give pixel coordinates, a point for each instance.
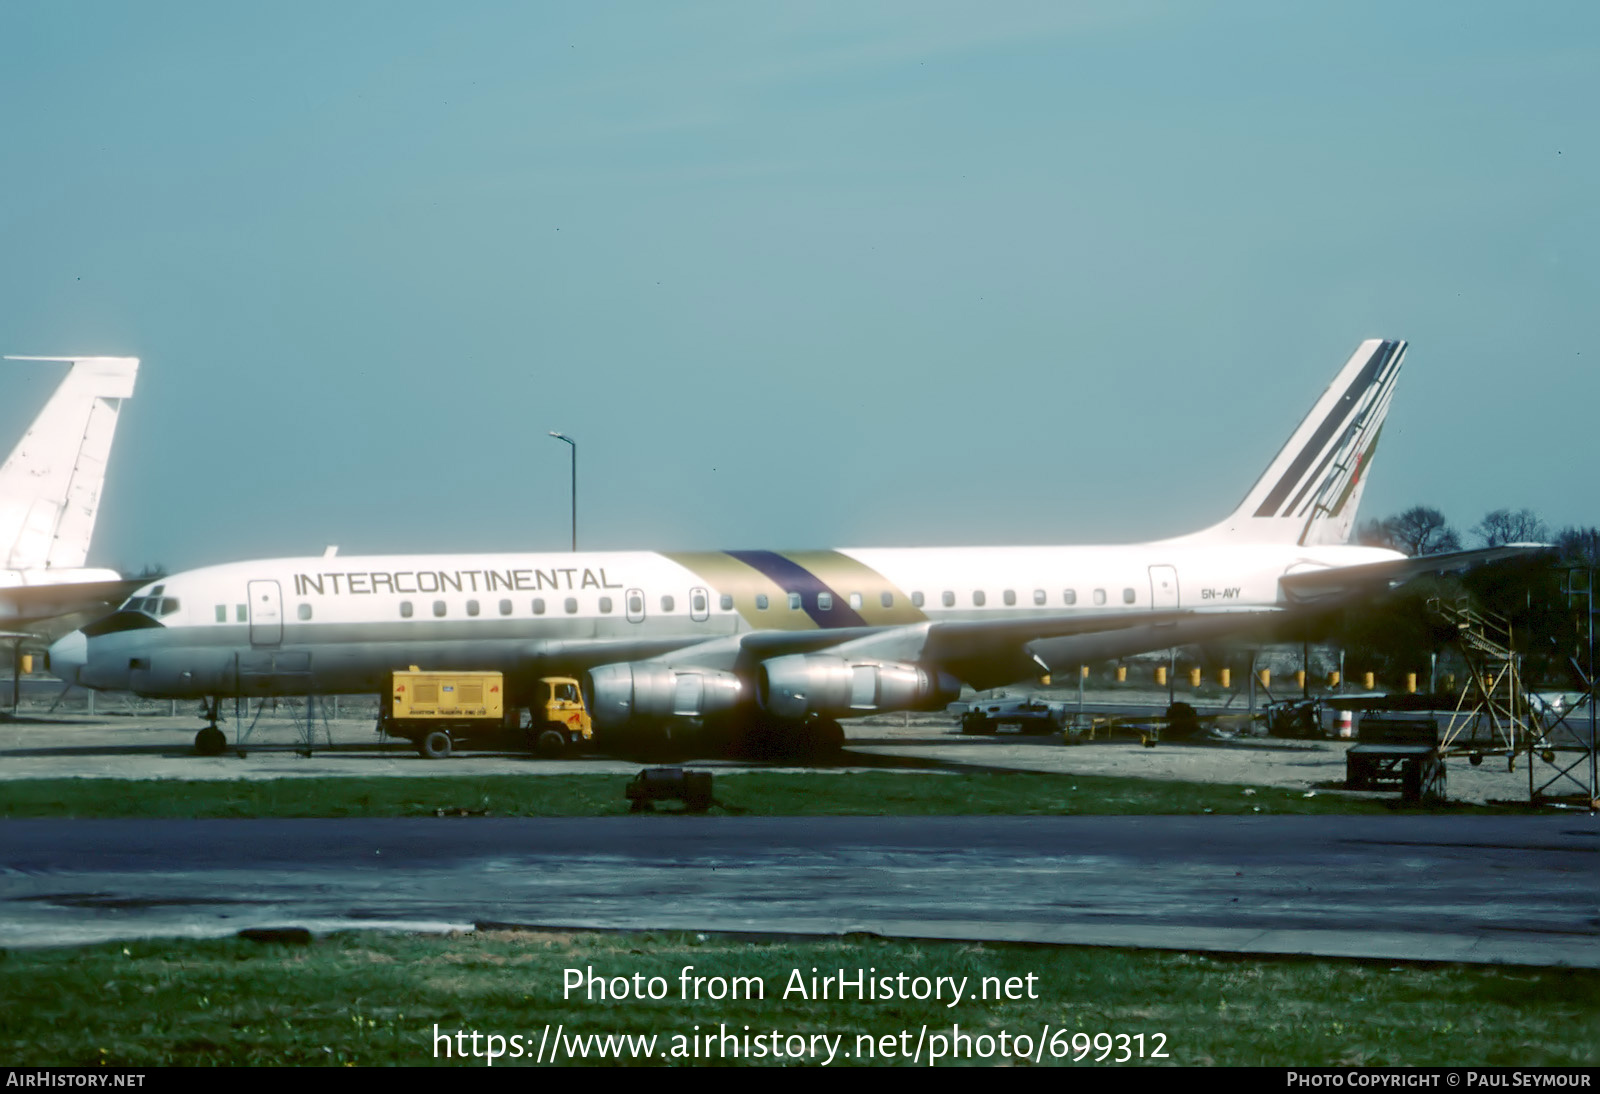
(125, 740)
(1484, 889)
(1513, 890)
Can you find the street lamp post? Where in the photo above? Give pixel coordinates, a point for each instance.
(574, 444)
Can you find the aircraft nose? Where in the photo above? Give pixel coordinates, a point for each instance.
(68, 656)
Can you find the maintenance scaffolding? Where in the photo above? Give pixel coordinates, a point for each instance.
(1497, 714)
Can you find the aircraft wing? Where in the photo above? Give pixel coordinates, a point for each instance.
(986, 653)
(1340, 581)
(983, 653)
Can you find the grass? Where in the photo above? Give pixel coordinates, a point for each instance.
(817, 793)
(376, 999)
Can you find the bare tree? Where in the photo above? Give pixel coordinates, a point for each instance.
(1579, 546)
(1420, 530)
(1504, 526)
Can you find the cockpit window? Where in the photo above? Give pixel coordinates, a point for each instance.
(169, 604)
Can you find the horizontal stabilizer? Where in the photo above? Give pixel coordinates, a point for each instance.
(1340, 580)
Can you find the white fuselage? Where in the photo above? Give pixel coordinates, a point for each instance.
(340, 624)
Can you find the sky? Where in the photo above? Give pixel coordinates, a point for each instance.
(792, 275)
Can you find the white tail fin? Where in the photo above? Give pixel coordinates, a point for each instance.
(50, 484)
(1310, 492)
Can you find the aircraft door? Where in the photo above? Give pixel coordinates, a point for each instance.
(634, 601)
(266, 613)
(1164, 588)
(699, 605)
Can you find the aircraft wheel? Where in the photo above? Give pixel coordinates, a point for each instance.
(434, 746)
(552, 743)
(825, 738)
(210, 741)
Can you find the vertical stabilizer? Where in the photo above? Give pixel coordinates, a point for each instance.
(1310, 492)
(50, 484)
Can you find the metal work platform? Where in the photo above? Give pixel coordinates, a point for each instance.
(1497, 714)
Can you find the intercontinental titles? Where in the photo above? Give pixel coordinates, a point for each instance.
(372, 582)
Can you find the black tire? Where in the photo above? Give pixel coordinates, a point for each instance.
(552, 743)
(210, 741)
(974, 723)
(826, 737)
(435, 745)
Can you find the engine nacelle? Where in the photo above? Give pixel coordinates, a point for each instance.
(646, 691)
(824, 683)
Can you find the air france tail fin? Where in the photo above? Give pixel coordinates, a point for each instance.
(1310, 492)
(50, 484)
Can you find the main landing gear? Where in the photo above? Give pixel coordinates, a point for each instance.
(211, 741)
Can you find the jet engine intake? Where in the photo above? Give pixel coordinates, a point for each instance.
(638, 691)
(799, 684)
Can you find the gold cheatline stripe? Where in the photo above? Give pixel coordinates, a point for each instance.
(726, 574)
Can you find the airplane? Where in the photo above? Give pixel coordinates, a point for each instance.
(775, 645)
(49, 495)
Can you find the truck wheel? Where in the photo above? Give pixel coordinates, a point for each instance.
(210, 741)
(552, 743)
(435, 745)
(972, 722)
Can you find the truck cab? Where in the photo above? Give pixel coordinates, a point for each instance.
(560, 716)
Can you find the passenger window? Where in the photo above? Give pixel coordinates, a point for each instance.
(605, 605)
(241, 613)
(825, 602)
(1038, 597)
(698, 604)
(855, 600)
(538, 605)
(1011, 598)
(1127, 596)
(438, 608)
(571, 605)
(667, 603)
(948, 598)
(727, 602)
(1099, 596)
(635, 605)
(304, 611)
(794, 602)
(761, 602)
(886, 599)
(505, 607)
(1070, 597)
(472, 607)
(916, 599)
(978, 598)
(405, 609)
(222, 613)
